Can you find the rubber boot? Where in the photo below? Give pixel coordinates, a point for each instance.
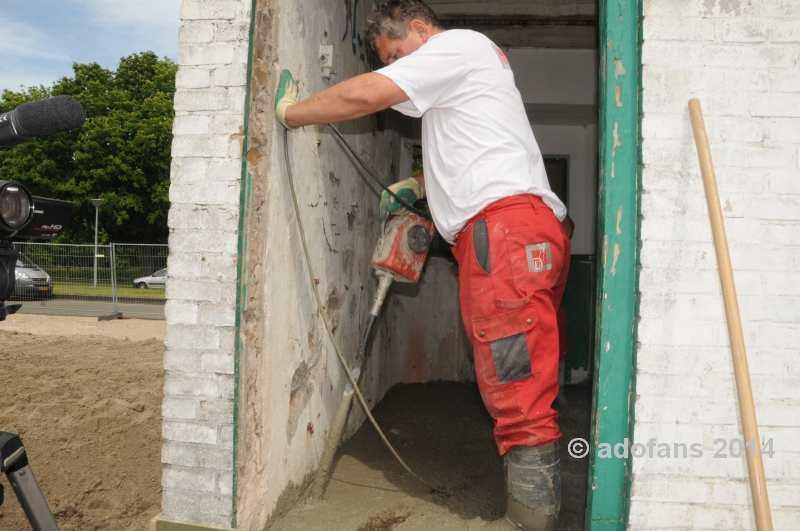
(533, 481)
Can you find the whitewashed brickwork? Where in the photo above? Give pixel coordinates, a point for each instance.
(742, 59)
(201, 291)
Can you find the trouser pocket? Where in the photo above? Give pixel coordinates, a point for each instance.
(536, 258)
(506, 336)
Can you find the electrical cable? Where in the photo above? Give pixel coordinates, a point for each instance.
(328, 325)
(405, 204)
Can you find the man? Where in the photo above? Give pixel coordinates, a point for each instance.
(488, 192)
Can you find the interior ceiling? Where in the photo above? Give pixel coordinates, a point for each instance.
(515, 23)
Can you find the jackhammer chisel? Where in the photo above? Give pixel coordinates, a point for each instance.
(398, 256)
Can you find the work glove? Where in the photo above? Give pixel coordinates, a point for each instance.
(286, 96)
(408, 190)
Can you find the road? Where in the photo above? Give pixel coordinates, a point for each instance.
(90, 308)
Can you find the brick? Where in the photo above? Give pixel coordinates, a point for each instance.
(784, 80)
(228, 124)
(785, 131)
(226, 434)
(191, 337)
(777, 208)
(189, 432)
(179, 408)
(219, 412)
(225, 484)
(230, 76)
(661, 359)
(197, 456)
(653, 515)
(711, 412)
(181, 312)
(773, 361)
(189, 169)
(217, 363)
(778, 105)
(785, 182)
(732, 492)
(745, 30)
(219, 315)
(676, 54)
(222, 241)
(716, 518)
(662, 409)
(184, 218)
(192, 78)
(753, 155)
(189, 506)
(201, 100)
(228, 170)
(684, 490)
(210, 9)
(773, 309)
(746, 80)
(785, 389)
(189, 479)
(209, 54)
(785, 31)
(190, 125)
(180, 360)
(206, 193)
(236, 31)
(671, 385)
(196, 32)
(198, 385)
(689, 29)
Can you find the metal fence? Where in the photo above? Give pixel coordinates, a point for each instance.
(102, 280)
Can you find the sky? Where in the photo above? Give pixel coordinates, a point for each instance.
(40, 39)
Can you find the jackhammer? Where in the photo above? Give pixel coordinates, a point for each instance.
(398, 256)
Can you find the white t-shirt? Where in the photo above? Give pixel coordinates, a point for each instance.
(477, 144)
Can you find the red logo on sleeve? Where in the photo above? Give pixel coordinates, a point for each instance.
(502, 56)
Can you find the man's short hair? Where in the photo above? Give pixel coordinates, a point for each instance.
(391, 19)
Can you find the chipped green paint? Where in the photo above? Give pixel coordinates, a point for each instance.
(241, 285)
(618, 229)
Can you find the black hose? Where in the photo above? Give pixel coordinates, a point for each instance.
(371, 173)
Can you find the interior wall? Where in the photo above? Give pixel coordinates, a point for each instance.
(559, 89)
(290, 378)
(579, 144)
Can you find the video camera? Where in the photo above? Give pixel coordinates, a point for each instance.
(23, 215)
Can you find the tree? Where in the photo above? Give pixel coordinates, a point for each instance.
(121, 154)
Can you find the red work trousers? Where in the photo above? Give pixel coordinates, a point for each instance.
(513, 260)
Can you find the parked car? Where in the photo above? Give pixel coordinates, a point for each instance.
(31, 282)
(156, 280)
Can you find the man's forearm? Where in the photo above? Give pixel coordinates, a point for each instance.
(348, 100)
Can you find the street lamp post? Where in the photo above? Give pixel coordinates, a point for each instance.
(96, 203)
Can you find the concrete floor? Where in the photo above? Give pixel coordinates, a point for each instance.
(443, 432)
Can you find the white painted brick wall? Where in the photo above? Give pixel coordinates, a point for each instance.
(201, 292)
(741, 59)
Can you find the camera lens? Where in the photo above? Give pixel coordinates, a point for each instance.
(15, 206)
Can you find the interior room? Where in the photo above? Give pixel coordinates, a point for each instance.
(419, 369)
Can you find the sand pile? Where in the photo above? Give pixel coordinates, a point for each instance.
(88, 409)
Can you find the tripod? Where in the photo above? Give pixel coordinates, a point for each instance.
(14, 462)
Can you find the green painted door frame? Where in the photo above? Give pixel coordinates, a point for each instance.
(609, 488)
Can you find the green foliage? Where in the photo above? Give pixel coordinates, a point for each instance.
(121, 154)
(416, 167)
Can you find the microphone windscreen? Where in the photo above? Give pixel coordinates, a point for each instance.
(49, 116)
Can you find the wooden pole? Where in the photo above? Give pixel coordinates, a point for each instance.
(747, 410)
